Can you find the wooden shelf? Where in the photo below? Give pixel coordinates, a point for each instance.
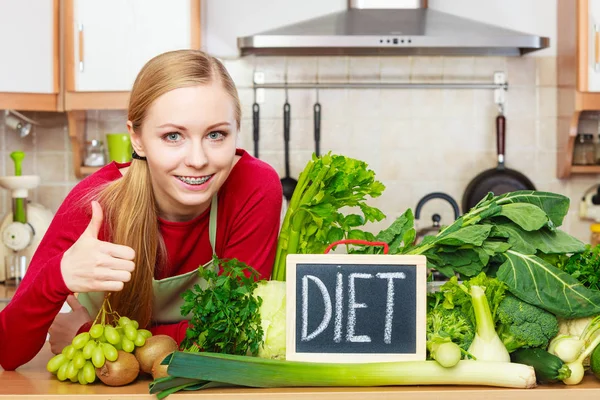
(587, 101)
(573, 95)
(585, 169)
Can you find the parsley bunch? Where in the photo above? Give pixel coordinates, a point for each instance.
(585, 267)
(225, 316)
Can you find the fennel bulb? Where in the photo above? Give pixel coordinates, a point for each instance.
(487, 345)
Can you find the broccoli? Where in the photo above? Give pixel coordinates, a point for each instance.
(521, 324)
(449, 325)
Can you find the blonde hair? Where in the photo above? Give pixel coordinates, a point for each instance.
(129, 205)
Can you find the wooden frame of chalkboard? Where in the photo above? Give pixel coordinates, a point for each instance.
(354, 308)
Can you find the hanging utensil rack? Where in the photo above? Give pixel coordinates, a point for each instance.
(498, 85)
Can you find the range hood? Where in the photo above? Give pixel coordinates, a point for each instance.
(410, 30)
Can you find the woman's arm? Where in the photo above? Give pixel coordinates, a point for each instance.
(24, 322)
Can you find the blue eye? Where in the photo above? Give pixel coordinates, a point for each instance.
(172, 137)
(216, 135)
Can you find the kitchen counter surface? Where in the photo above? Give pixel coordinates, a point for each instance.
(32, 381)
(6, 292)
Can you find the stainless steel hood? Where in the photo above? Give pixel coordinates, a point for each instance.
(391, 31)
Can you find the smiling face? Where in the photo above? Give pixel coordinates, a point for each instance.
(189, 139)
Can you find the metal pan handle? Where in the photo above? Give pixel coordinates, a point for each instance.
(501, 138)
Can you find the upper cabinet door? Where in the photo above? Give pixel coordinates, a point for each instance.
(592, 69)
(113, 39)
(29, 62)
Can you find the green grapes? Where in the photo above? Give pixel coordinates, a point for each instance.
(90, 350)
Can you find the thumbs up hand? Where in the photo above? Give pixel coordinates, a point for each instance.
(91, 265)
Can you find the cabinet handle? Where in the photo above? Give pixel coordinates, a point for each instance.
(80, 47)
(596, 48)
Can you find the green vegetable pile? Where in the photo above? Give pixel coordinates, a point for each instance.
(514, 279)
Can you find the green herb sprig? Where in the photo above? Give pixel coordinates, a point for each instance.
(225, 316)
(585, 267)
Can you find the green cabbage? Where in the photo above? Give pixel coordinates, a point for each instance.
(272, 315)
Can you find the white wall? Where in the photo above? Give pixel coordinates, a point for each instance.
(530, 16)
(225, 20)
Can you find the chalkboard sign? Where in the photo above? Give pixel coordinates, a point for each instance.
(355, 308)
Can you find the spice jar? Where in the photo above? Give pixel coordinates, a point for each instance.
(94, 153)
(584, 152)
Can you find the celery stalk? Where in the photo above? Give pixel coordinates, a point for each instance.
(314, 219)
(258, 372)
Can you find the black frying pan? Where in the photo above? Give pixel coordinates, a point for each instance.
(498, 180)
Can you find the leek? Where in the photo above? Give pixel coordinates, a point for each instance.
(259, 372)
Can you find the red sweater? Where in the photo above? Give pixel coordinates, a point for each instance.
(248, 225)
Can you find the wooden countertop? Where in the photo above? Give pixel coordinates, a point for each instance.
(32, 381)
(6, 293)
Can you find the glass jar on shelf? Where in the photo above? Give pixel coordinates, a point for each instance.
(94, 155)
(584, 151)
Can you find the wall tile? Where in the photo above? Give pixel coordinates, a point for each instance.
(459, 104)
(246, 101)
(302, 69)
(51, 167)
(245, 136)
(521, 102)
(427, 103)
(270, 135)
(458, 69)
(546, 133)
(335, 104)
(241, 70)
(427, 69)
(365, 103)
(395, 104)
(395, 69)
(521, 135)
(51, 197)
(16, 143)
(111, 121)
(54, 138)
(547, 100)
(546, 71)
(302, 102)
(485, 67)
(333, 69)
(274, 68)
(364, 69)
(521, 71)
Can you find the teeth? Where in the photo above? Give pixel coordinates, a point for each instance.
(194, 181)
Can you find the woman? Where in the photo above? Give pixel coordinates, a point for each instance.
(151, 224)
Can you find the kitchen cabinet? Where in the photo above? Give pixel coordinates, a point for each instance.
(108, 41)
(578, 76)
(29, 67)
